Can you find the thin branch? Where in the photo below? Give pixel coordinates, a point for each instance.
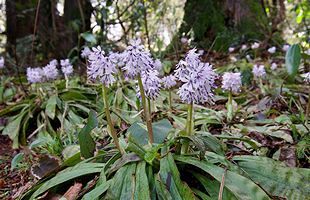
(146, 26)
(82, 15)
(121, 23)
(35, 28)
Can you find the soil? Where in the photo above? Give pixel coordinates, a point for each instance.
(12, 182)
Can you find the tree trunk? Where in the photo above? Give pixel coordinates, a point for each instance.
(77, 15)
(19, 23)
(219, 23)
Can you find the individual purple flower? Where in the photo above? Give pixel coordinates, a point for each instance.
(65, 62)
(244, 47)
(66, 67)
(184, 40)
(67, 70)
(136, 59)
(272, 50)
(273, 66)
(85, 52)
(100, 67)
(231, 81)
(116, 58)
(198, 79)
(201, 52)
(1, 62)
(169, 81)
(157, 64)
(151, 83)
(35, 75)
(50, 71)
(53, 62)
(259, 71)
(285, 47)
(231, 49)
(255, 45)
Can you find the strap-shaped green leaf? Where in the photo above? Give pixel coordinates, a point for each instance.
(242, 187)
(87, 144)
(292, 60)
(278, 180)
(68, 174)
(170, 177)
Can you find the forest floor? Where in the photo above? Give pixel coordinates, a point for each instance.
(12, 182)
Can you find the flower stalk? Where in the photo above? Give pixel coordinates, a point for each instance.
(170, 99)
(145, 110)
(230, 112)
(189, 127)
(110, 124)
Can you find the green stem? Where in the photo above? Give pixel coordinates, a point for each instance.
(145, 110)
(149, 106)
(67, 81)
(110, 124)
(230, 113)
(262, 86)
(189, 128)
(170, 100)
(190, 120)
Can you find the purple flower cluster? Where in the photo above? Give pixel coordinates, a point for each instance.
(151, 83)
(136, 59)
(50, 71)
(169, 81)
(198, 79)
(116, 58)
(259, 71)
(85, 52)
(100, 67)
(66, 67)
(231, 81)
(35, 75)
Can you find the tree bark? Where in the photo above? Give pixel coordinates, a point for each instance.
(77, 14)
(221, 22)
(19, 21)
